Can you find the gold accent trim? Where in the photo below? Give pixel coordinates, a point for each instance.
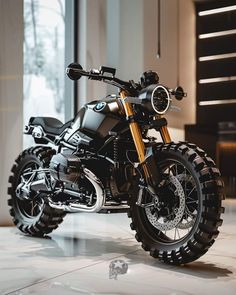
(165, 135)
(136, 133)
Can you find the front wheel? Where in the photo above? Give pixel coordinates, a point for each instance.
(180, 223)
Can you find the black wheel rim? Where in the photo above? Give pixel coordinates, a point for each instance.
(183, 229)
(29, 208)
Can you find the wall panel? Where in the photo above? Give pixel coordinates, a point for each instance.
(11, 94)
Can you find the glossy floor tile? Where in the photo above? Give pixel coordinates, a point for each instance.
(97, 254)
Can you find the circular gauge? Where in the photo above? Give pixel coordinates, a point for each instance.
(160, 99)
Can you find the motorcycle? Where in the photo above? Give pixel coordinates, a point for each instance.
(104, 161)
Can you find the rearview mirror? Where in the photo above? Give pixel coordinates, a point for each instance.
(179, 93)
(73, 71)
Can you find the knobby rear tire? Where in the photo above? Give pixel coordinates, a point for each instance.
(48, 218)
(206, 226)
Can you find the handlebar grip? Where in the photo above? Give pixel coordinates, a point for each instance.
(74, 71)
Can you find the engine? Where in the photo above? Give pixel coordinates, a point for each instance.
(79, 188)
(65, 167)
(70, 169)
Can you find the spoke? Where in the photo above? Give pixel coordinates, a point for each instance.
(169, 170)
(186, 216)
(33, 207)
(191, 202)
(35, 167)
(174, 169)
(27, 175)
(23, 179)
(31, 174)
(178, 232)
(192, 199)
(31, 178)
(40, 206)
(36, 204)
(28, 170)
(191, 191)
(191, 179)
(185, 177)
(175, 233)
(189, 214)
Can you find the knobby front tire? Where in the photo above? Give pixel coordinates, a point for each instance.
(209, 196)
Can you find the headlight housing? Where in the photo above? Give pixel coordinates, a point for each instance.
(157, 99)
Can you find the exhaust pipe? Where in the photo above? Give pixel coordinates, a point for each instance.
(81, 207)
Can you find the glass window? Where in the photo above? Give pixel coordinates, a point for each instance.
(44, 60)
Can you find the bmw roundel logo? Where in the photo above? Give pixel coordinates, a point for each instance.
(100, 106)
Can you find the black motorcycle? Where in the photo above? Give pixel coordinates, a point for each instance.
(104, 161)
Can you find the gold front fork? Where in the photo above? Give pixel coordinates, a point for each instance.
(165, 135)
(137, 135)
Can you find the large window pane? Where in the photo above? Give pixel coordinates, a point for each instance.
(44, 56)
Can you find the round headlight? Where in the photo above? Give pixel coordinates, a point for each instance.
(160, 99)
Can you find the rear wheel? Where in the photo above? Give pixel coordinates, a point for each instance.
(29, 210)
(181, 222)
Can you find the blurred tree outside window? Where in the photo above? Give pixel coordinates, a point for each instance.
(44, 60)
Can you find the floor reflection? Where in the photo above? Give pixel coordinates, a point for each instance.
(98, 255)
(93, 246)
(71, 246)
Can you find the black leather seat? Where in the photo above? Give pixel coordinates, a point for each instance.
(50, 125)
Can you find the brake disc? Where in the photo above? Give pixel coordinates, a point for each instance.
(163, 224)
(188, 223)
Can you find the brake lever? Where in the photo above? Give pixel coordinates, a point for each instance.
(94, 74)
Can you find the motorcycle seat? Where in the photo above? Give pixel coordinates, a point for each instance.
(50, 125)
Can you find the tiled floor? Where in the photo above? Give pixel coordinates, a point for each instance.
(77, 259)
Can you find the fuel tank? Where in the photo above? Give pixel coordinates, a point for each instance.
(94, 121)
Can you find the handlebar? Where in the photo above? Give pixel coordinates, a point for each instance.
(75, 71)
